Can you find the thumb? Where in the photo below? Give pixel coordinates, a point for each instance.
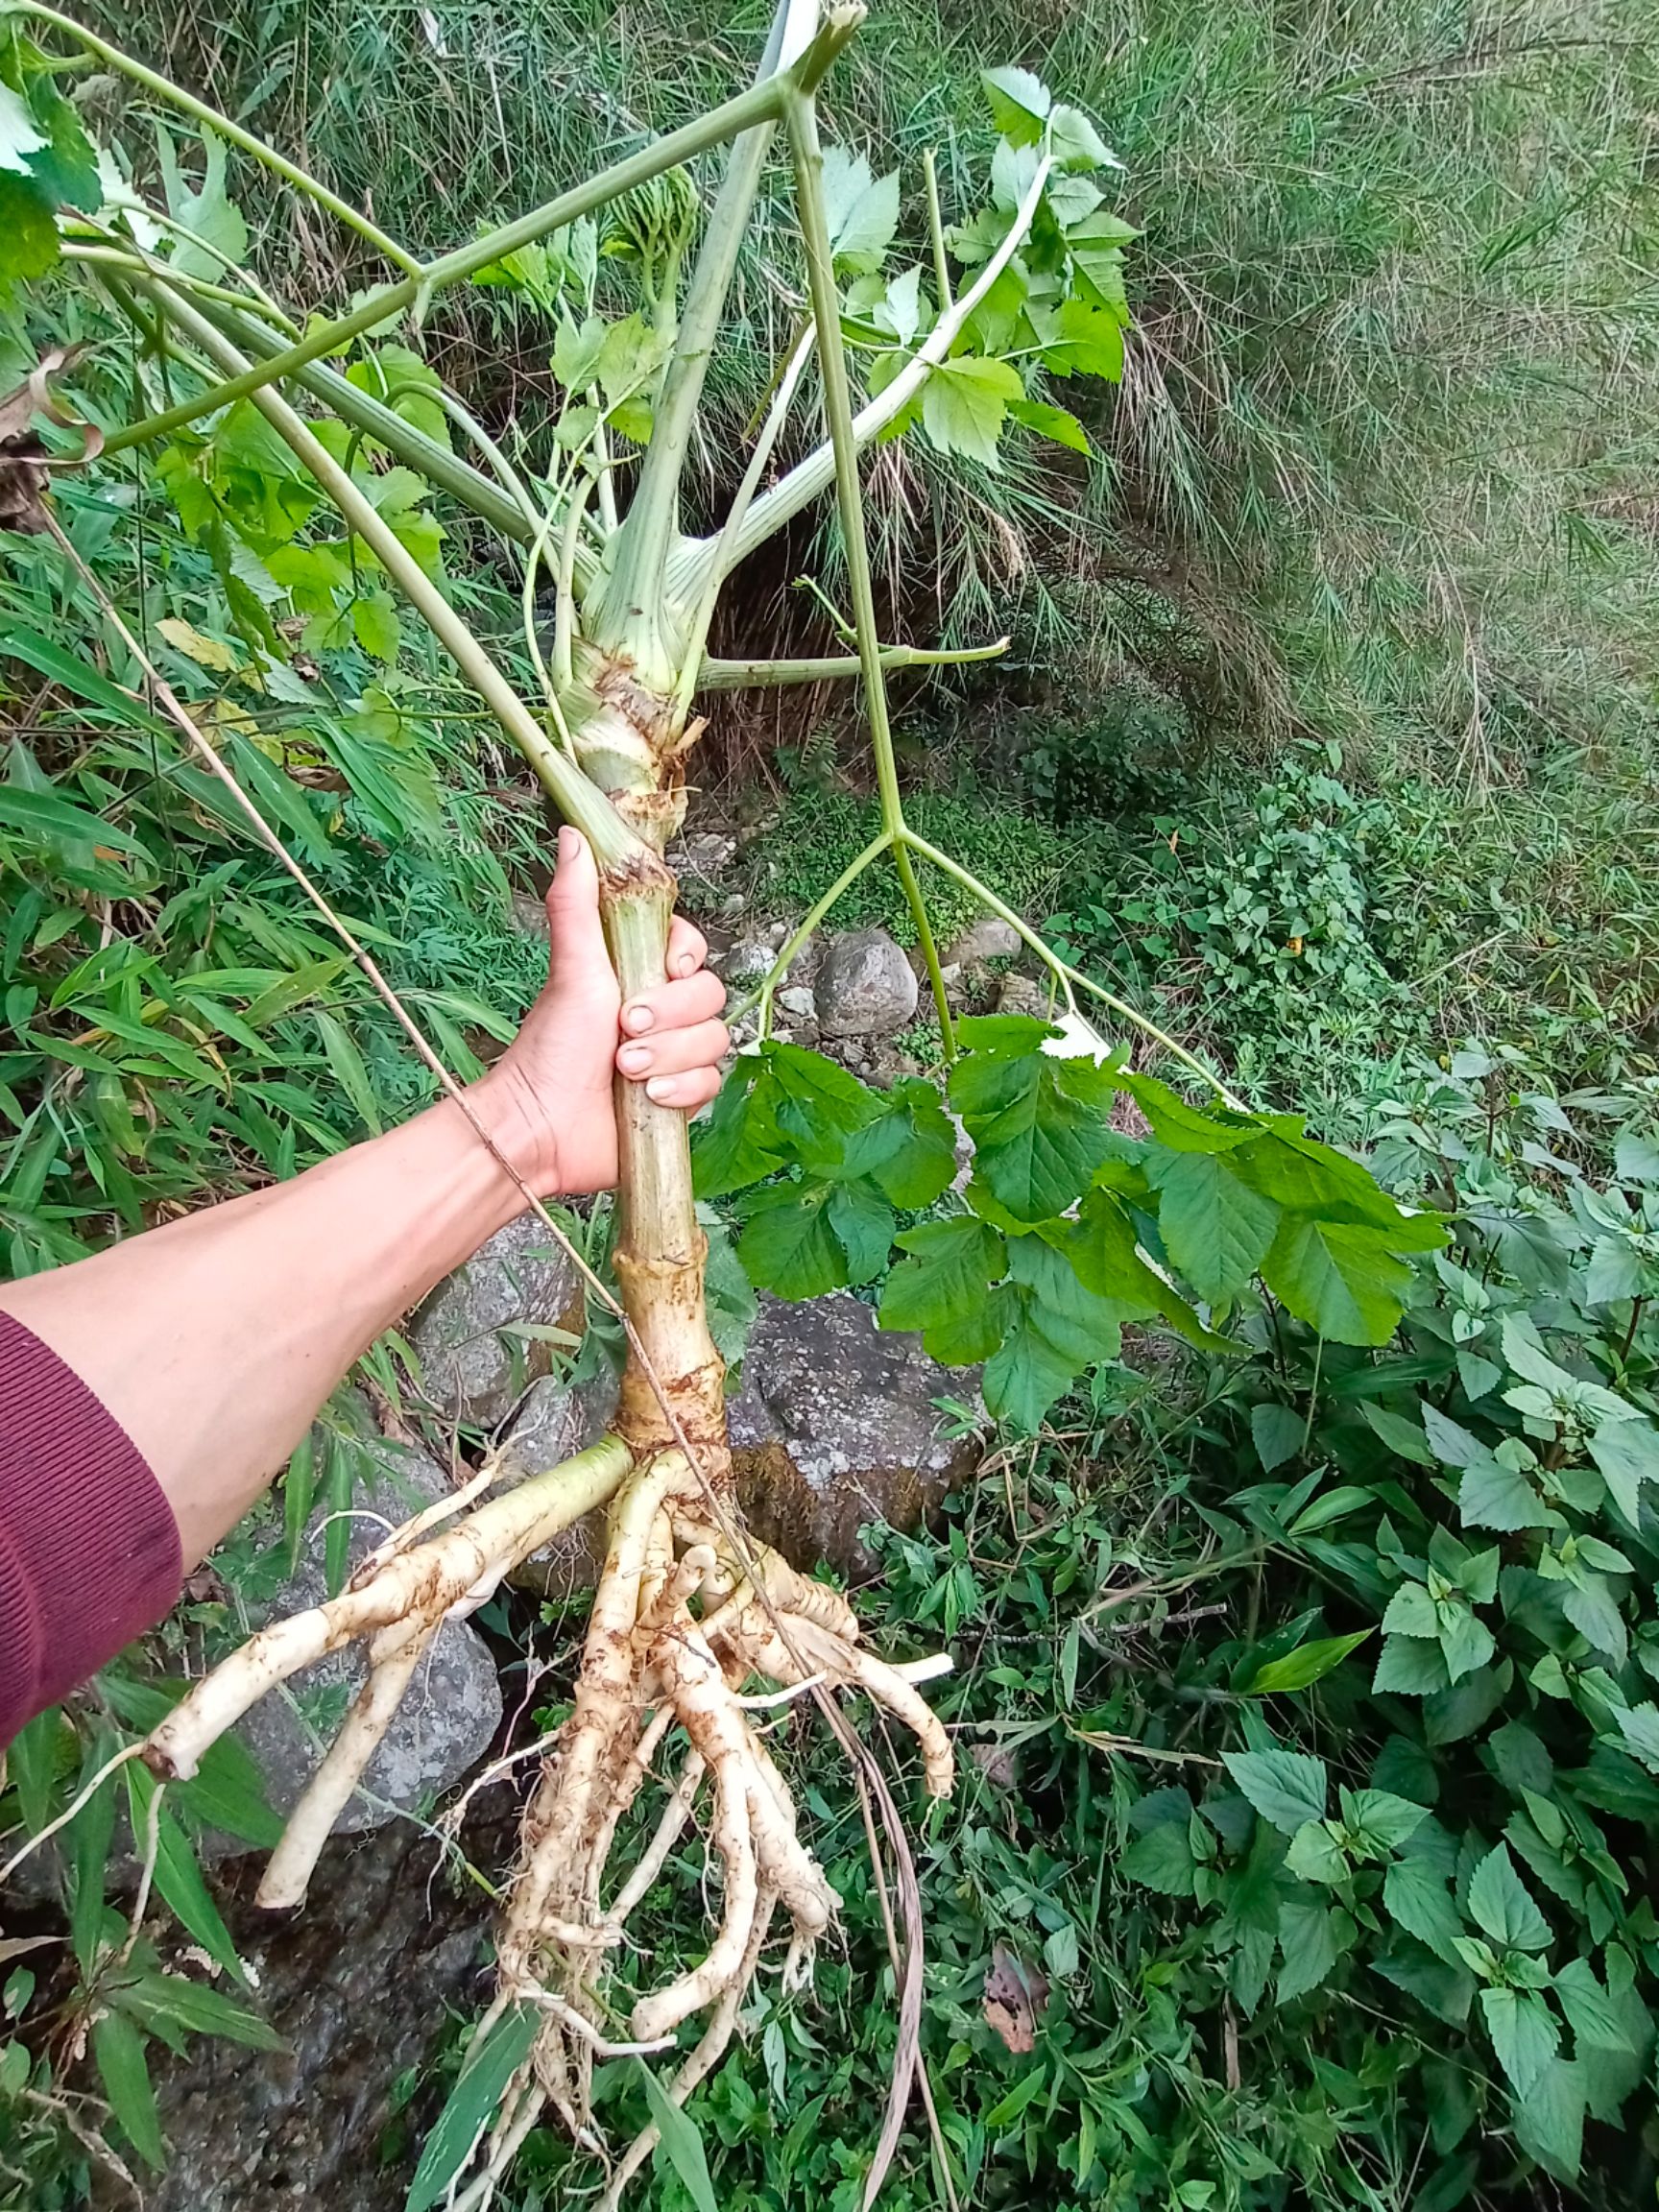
(576, 938)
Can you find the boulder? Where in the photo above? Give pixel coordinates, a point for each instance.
(1024, 995)
(865, 986)
(836, 1426)
(989, 938)
(474, 1366)
(554, 1423)
(452, 1708)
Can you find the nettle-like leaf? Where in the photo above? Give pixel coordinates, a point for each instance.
(1288, 1789)
(860, 207)
(46, 162)
(1039, 1125)
(965, 402)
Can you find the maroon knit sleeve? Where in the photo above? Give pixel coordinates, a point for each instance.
(88, 1547)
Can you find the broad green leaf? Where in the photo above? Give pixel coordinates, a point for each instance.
(1341, 1280)
(1591, 2013)
(375, 625)
(1523, 2034)
(491, 2064)
(1277, 1432)
(1039, 1125)
(1627, 1453)
(1493, 1496)
(1315, 1855)
(678, 2143)
(1101, 1245)
(964, 403)
(1308, 1944)
(1083, 340)
(1019, 103)
(1410, 1612)
(1186, 1128)
(1057, 423)
(1053, 1328)
(863, 1224)
(1454, 1445)
(18, 136)
(1639, 1726)
(1501, 1906)
(1305, 1665)
(1386, 1821)
(166, 2003)
(1402, 1436)
(28, 234)
(861, 208)
(944, 1285)
(1076, 143)
(210, 213)
(1409, 1667)
(1417, 1897)
(788, 1245)
(1548, 2119)
(819, 1105)
(1591, 1607)
(1162, 1860)
(910, 1150)
(1215, 1229)
(1287, 1787)
(738, 1142)
(118, 2047)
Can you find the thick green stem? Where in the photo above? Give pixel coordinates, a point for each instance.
(661, 1247)
(802, 125)
(614, 843)
(936, 230)
(760, 104)
(210, 118)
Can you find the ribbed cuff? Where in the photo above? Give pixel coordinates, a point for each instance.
(89, 1553)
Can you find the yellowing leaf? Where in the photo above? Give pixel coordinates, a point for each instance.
(206, 652)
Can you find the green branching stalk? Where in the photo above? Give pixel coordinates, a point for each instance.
(761, 104)
(174, 96)
(790, 949)
(802, 121)
(752, 675)
(614, 844)
(936, 230)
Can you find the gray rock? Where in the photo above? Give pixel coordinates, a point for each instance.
(866, 987)
(989, 938)
(472, 1370)
(1024, 995)
(555, 1422)
(528, 914)
(835, 1426)
(796, 999)
(743, 962)
(452, 1708)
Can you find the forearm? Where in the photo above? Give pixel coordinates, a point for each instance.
(214, 1340)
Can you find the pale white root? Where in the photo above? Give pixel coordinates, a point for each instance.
(457, 1570)
(669, 1828)
(394, 1655)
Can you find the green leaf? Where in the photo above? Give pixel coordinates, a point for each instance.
(1287, 1787)
(861, 209)
(1039, 1125)
(679, 2142)
(1162, 1860)
(1277, 1432)
(1628, 1454)
(1410, 1612)
(210, 213)
(1493, 1496)
(178, 1879)
(1402, 1436)
(1548, 2119)
(1501, 1906)
(1315, 1855)
(1590, 1608)
(1019, 103)
(1341, 1280)
(1639, 1726)
(1057, 423)
(1305, 1665)
(28, 234)
(909, 1150)
(1053, 1329)
(739, 1141)
(946, 1283)
(1523, 2034)
(964, 403)
(1076, 143)
(787, 1244)
(375, 625)
(1417, 1897)
(118, 2047)
(1408, 1667)
(349, 1069)
(1591, 2013)
(1215, 1229)
(18, 136)
(1308, 1941)
(1186, 1128)
(163, 2002)
(491, 2064)
(863, 1224)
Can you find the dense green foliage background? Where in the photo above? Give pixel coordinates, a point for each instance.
(1329, 737)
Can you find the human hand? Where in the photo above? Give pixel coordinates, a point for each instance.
(549, 1099)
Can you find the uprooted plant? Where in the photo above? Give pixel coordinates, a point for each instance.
(1068, 1229)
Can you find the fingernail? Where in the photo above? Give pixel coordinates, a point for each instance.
(660, 1088)
(637, 1018)
(686, 964)
(569, 842)
(634, 1057)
